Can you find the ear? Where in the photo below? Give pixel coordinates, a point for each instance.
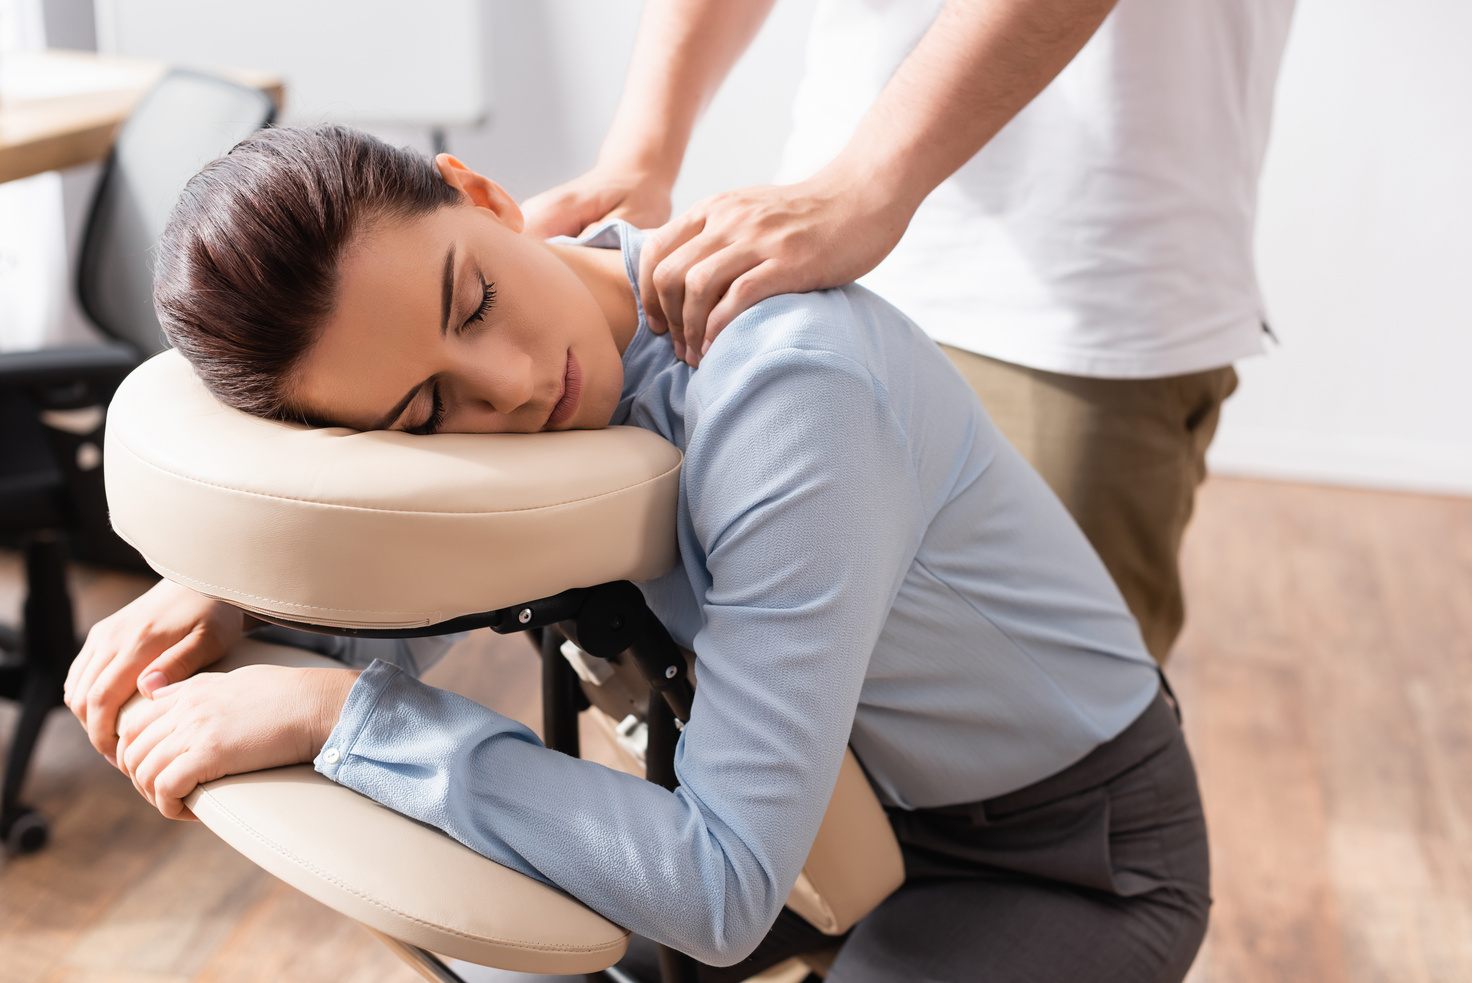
(481, 190)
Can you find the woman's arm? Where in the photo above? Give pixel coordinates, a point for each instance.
(778, 494)
(171, 632)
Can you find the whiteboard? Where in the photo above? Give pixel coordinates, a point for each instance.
(354, 61)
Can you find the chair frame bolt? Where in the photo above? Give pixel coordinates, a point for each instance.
(525, 616)
(670, 671)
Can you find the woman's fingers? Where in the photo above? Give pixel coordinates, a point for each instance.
(180, 777)
(216, 724)
(140, 730)
(177, 663)
(108, 684)
(76, 671)
(150, 755)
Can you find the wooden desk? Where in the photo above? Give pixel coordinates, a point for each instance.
(63, 108)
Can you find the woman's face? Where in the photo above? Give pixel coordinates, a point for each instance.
(456, 322)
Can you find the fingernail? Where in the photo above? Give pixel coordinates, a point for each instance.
(705, 347)
(152, 683)
(111, 760)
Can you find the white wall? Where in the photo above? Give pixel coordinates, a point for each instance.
(1365, 255)
(1365, 238)
(1365, 235)
(557, 67)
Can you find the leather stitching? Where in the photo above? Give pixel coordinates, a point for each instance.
(366, 508)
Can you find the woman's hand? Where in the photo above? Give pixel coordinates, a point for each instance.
(697, 273)
(641, 199)
(218, 724)
(165, 636)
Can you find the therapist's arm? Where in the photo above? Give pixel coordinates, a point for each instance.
(976, 67)
(683, 51)
(979, 64)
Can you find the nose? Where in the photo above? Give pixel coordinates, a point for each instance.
(501, 386)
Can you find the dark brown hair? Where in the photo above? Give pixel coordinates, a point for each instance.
(247, 267)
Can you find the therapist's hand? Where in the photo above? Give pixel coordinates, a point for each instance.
(698, 272)
(226, 723)
(639, 198)
(165, 636)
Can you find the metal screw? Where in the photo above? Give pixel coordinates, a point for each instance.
(525, 616)
(669, 672)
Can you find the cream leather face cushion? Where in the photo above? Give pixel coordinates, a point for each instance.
(338, 528)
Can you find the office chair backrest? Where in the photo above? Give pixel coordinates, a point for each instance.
(181, 124)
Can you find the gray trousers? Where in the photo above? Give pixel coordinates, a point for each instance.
(1097, 873)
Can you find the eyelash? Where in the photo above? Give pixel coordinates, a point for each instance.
(436, 414)
(437, 408)
(487, 301)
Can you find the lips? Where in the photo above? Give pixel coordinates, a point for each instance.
(572, 393)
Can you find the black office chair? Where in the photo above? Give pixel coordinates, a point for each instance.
(53, 401)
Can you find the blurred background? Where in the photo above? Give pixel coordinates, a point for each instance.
(1365, 228)
(1326, 668)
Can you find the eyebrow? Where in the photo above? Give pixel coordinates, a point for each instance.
(447, 291)
(447, 296)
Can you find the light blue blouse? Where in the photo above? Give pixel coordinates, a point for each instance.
(863, 560)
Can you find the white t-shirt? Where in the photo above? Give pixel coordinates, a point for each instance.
(1107, 230)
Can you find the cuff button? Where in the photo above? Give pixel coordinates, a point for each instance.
(330, 756)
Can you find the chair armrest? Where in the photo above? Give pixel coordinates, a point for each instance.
(399, 877)
(107, 363)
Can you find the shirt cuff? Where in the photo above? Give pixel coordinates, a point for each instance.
(356, 712)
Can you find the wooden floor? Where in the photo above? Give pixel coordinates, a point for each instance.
(1326, 678)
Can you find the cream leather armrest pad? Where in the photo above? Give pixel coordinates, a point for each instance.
(855, 862)
(403, 878)
(377, 530)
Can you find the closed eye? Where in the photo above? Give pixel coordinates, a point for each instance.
(436, 414)
(487, 301)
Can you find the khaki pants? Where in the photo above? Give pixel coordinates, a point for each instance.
(1125, 456)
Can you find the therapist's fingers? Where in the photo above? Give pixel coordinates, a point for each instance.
(663, 293)
(642, 200)
(566, 211)
(707, 284)
(767, 279)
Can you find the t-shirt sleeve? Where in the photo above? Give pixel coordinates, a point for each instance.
(799, 500)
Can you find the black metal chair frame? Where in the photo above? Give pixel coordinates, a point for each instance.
(610, 621)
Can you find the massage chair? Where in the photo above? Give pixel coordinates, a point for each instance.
(387, 534)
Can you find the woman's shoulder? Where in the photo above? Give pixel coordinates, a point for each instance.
(815, 332)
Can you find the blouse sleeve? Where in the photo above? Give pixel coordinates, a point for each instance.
(799, 516)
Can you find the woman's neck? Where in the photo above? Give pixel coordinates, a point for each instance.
(602, 272)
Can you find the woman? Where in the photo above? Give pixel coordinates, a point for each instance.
(863, 561)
